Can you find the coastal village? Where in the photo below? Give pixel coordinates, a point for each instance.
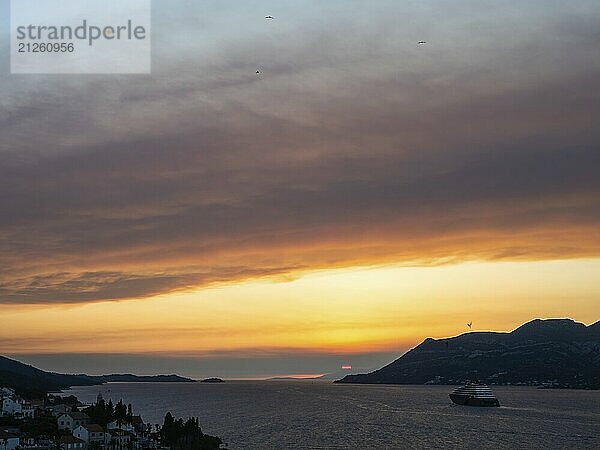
(64, 423)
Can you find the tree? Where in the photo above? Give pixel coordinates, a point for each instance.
(101, 413)
(111, 409)
(180, 435)
(120, 412)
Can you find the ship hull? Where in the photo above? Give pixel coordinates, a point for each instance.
(469, 400)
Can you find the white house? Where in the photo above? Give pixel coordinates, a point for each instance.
(27, 410)
(119, 437)
(116, 425)
(14, 406)
(72, 420)
(90, 433)
(11, 406)
(8, 441)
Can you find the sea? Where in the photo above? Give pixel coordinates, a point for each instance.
(315, 414)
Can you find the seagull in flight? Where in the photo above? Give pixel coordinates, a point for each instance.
(269, 17)
(470, 324)
(422, 42)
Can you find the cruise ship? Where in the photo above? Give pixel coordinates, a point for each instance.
(474, 394)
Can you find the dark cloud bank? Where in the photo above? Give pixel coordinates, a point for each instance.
(124, 187)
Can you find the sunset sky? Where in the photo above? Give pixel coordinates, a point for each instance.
(361, 194)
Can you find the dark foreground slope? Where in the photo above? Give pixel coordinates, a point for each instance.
(557, 352)
(27, 379)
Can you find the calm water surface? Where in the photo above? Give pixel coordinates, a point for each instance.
(321, 415)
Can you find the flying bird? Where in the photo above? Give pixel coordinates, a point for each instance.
(422, 42)
(269, 17)
(470, 324)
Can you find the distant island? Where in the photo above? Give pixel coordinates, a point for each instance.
(30, 381)
(556, 353)
(293, 378)
(129, 378)
(213, 380)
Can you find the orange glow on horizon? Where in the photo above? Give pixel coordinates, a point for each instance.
(344, 311)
